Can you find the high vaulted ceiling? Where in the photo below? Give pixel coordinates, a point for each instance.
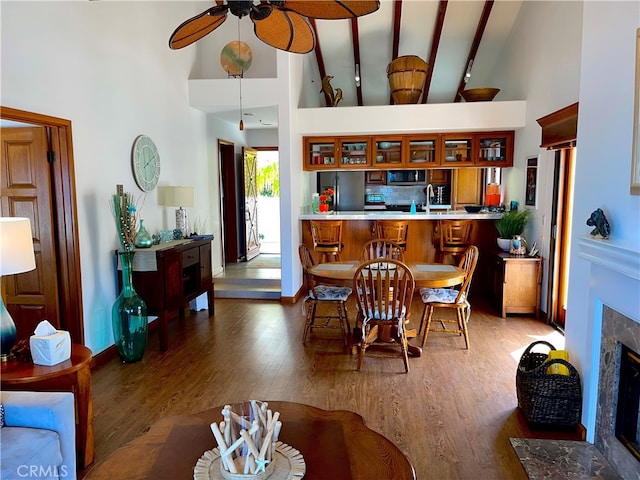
(454, 37)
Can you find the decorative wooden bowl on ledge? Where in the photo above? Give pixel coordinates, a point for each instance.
(479, 94)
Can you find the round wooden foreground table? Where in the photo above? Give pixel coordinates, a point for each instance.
(335, 444)
(73, 375)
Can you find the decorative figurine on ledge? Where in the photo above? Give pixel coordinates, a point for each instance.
(330, 97)
(599, 221)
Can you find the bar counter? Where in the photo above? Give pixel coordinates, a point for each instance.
(422, 237)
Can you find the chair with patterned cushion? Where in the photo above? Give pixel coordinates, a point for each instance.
(384, 291)
(381, 248)
(327, 239)
(450, 298)
(322, 294)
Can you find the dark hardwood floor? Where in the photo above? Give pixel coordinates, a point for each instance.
(452, 414)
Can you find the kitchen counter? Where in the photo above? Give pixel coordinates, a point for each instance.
(390, 215)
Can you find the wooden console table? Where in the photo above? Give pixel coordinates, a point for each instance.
(73, 375)
(168, 276)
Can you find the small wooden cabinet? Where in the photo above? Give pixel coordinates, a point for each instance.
(168, 277)
(516, 283)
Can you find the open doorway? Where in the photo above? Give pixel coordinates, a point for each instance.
(268, 201)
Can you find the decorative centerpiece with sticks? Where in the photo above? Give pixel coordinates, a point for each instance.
(247, 440)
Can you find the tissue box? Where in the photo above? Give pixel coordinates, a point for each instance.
(50, 349)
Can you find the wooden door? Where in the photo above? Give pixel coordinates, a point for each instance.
(26, 192)
(252, 239)
(229, 203)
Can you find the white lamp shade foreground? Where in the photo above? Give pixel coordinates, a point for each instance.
(16, 256)
(179, 197)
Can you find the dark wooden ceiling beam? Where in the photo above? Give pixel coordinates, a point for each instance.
(435, 43)
(397, 16)
(355, 40)
(318, 52)
(482, 24)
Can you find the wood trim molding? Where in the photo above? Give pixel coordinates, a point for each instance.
(560, 128)
(65, 217)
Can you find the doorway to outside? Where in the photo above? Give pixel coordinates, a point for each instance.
(268, 201)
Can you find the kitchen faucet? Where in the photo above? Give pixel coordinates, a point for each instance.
(429, 192)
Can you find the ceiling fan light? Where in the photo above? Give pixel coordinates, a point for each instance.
(283, 29)
(332, 9)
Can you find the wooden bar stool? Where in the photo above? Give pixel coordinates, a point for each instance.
(455, 239)
(327, 239)
(394, 230)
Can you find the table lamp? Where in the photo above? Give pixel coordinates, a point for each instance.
(179, 197)
(16, 256)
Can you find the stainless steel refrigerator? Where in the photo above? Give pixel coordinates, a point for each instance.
(348, 188)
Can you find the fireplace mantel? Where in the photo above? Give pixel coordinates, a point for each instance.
(619, 258)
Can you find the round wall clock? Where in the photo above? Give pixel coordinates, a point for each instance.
(145, 162)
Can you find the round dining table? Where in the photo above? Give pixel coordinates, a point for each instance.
(430, 275)
(425, 275)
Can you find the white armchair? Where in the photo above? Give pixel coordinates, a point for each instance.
(38, 439)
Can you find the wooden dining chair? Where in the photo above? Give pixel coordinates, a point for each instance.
(322, 294)
(455, 239)
(384, 292)
(327, 239)
(394, 230)
(381, 248)
(450, 298)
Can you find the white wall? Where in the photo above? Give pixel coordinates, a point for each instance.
(106, 67)
(544, 70)
(605, 126)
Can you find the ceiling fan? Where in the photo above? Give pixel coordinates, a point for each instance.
(283, 24)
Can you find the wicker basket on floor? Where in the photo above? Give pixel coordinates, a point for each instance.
(550, 400)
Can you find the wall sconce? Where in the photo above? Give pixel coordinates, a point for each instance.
(16, 256)
(178, 197)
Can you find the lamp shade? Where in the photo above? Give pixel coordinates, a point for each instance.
(16, 246)
(177, 196)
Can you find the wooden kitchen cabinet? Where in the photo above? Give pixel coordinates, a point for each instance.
(409, 151)
(457, 150)
(516, 283)
(494, 149)
(329, 153)
(467, 187)
(376, 177)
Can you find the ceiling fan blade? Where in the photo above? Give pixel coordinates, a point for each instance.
(332, 9)
(197, 27)
(283, 29)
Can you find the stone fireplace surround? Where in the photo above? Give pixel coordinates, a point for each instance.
(614, 281)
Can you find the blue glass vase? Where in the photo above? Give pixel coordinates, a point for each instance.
(129, 316)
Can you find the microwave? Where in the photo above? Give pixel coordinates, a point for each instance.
(406, 177)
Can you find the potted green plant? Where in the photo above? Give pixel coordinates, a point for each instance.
(512, 223)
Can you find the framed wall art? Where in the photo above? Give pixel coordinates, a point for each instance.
(531, 181)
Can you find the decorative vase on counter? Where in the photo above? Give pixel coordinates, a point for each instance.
(143, 239)
(129, 315)
(504, 243)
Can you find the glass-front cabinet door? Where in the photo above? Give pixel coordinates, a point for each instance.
(387, 152)
(320, 153)
(456, 150)
(354, 152)
(422, 151)
(494, 149)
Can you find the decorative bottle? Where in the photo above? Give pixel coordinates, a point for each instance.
(315, 202)
(129, 315)
(143, 239)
